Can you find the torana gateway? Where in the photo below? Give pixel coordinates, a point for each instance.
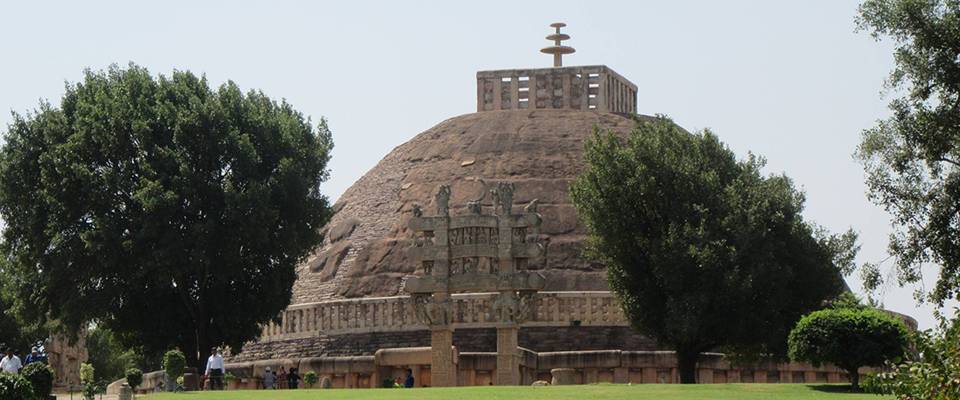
(459, 256)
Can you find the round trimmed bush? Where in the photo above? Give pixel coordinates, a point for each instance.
(173, 363)
(848, 338)
(15, 387)
(310, 378)
(134, 377)
(40, 376)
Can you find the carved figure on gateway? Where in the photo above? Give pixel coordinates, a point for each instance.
(476, 252)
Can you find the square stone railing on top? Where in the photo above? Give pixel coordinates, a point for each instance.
(471, 310)
(588, 88)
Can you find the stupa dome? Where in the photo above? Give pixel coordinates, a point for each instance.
(365, 252)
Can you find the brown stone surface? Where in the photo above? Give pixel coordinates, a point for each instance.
(564, 376)
(365, 251)
(542, 339)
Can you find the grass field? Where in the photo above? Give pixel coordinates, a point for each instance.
(583, 392)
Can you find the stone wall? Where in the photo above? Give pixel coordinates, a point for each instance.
(467, 339)
(479, 368)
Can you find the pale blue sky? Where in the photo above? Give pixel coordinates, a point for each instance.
(789, 80)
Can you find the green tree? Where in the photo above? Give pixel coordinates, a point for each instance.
(702, 250)
(912, 159)
(108, 356)
(171, 213)
(849, 338)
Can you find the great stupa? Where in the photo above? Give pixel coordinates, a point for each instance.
(354, 318)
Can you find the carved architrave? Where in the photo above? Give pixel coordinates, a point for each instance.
(433, 311)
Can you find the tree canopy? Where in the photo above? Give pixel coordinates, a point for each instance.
(912, 159)
(849, 338)
(702, 250)
(169, 212)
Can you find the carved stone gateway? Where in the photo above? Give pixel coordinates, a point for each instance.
(474, 253)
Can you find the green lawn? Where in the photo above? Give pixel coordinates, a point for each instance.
(584, 392)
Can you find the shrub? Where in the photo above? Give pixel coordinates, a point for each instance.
(87, 374)
(40, 376)
(173, 363)
(15, 387)
(310, 378)
(134, 377)
(933, 375)
(849, 338)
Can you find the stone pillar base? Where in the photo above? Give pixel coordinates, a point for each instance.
(508, 356)
(443, 370)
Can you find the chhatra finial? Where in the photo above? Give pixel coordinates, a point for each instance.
(557, 50)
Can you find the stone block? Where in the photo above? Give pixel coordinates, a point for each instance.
(563, 376)
(621, 375)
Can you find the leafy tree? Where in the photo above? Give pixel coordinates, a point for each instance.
(912, 159)
(849, 338)
(701, 249)
(40, 376)
(169, 212)
(934, 374)
(108, 356)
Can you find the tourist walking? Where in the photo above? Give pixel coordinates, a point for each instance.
(293, 379)
(269, 379)
(10, 363)
(282, 378)
(34, 356)
(215, 369)
(408, 382)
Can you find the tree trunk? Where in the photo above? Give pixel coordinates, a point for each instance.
(854, 378)
(202, 352)
(687, 365)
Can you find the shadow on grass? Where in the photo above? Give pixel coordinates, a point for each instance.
(835, 389)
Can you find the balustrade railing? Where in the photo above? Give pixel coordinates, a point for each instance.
(471, 310)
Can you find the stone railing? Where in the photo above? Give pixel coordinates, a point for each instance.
(471, 310)
(593, 87)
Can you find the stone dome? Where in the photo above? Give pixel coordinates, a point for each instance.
(364, 253)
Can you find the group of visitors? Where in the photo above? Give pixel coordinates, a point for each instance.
(281, 380)
(271, 379)
(11, 364)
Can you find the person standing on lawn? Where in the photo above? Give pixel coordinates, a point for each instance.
(293, 378)
(215, 369)
(269, 379)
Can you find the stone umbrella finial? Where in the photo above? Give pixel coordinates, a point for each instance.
(557, 49)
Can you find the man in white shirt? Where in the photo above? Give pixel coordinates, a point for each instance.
(215, 369)
(10, 363)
